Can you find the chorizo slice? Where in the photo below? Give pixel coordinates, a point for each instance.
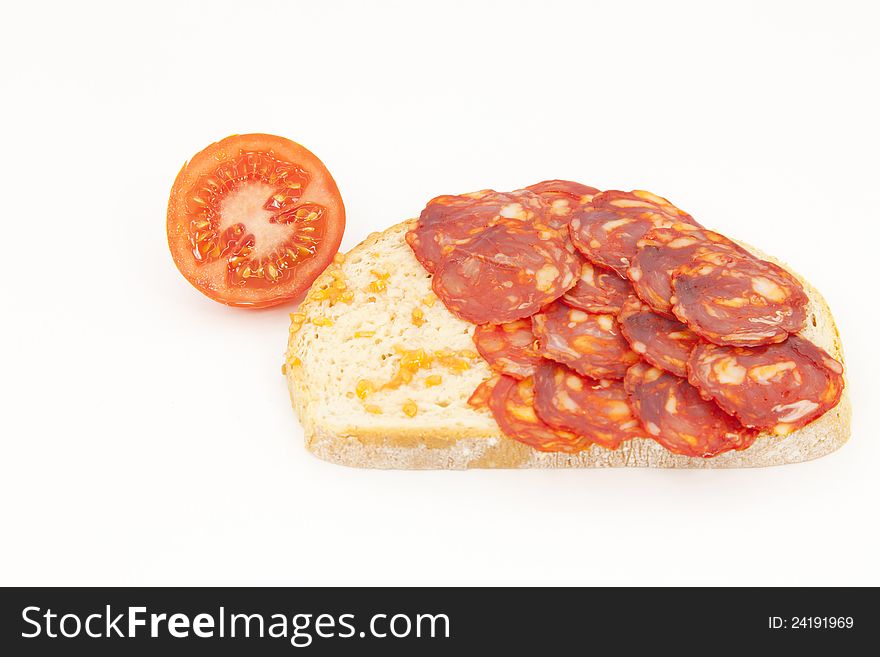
(508, 348)
(450, 221)
(734, 299)
(663, 342)
(777, 388)
(661, 252)
(479, 398)
(588, 407)
(674, 414)
(509, 271)
(512, 405)
(562, 197)
(598, 291)
(590, 344)
(607, 229)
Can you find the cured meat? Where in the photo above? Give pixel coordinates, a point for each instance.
(480, 396)
(663, 342)
(596, 409)
(590, 344)
(733, 299)
(777, 388)
(663, 250)
(508, 348)
(512, 405)
(676, 416)
(563, 197)
(557, 189)
(448, 222)
(598, 291)
(507, 272)
(607, 229)
(561, 331)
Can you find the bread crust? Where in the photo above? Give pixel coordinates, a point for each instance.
(398, 446)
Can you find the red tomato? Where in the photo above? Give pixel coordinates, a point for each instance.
(253, 220)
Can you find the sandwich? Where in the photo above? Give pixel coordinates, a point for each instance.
(560, 326)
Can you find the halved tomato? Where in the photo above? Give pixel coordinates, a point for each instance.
(253, 220)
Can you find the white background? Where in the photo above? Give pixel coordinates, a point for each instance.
(147, 436)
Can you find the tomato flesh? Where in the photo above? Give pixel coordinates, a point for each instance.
(253, 220)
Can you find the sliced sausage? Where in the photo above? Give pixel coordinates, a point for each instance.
(777, 388)
(598, 291)
(590, 344)
(663, 342)
(661, 252)
(676, 416)
(512, 405)
(507, 272)
(597, 409)
(563, 197)
(450, 221)
(733, 299)
(607, 229)
(508, 348)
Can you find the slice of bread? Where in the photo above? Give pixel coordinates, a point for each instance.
(347, 339)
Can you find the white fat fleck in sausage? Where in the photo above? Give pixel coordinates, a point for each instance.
(512, 211)
(768, 289)
(608, 226)
(764, 374)
(545, 277)
(795, 410)
(728, 372)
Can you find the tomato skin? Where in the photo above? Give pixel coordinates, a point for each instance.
(209, 278)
